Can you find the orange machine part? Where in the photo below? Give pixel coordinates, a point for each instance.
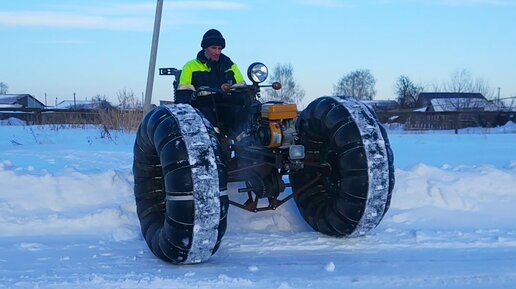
(276, 135)
(277, 111)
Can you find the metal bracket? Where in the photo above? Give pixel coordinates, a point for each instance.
(251, 204)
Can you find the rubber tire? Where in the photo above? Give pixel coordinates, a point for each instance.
(353, 199)
(180, 182)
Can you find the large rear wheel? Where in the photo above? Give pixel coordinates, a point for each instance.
(346, 185)
(180, 184)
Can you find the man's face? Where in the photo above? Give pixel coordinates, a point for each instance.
(213, 52)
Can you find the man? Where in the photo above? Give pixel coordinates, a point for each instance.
(210, 68)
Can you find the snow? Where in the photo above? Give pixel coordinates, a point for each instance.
(68, 220)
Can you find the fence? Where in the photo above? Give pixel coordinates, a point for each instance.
(446, 120)
(129, 119)
(112, 119)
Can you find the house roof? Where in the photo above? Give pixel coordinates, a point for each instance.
(459, 103)
(12, 100)
(382, 104)
(452, 101)
(433, 95)
(81, 104)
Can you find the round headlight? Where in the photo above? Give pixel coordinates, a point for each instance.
(257, 72)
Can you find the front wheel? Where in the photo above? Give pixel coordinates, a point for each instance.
(180, 184)
(346, 185)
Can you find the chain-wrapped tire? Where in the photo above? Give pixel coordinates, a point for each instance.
(180, 184)
(346, 184)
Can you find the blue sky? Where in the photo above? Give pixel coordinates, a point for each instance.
(60, 47)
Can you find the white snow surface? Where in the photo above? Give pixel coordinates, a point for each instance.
(68, 220)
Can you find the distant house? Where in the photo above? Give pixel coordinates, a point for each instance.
(20, 101)
(452, 101)
(83, 104)
(382, 105)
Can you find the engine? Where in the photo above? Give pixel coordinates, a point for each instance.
(277, 125)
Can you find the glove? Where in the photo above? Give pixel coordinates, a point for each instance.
(202, 91)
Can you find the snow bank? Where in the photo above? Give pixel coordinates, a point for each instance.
(12, 121)
(88, 190)
(66, 203)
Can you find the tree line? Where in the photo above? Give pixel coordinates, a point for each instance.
(359, 84)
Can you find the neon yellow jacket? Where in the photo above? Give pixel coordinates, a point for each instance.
(202, 72)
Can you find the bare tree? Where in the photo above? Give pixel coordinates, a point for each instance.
(99, 98)
(407, 92)
(359, 84)
(3, 88)
(434, 86)
(462, 81)
(290, 92)
(511, 106)
(482, 86)
(127, 116)
(102, 101)
(127, 99)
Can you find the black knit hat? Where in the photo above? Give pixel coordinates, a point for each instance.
(213, 37)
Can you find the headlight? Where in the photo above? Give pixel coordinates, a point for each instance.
(296, 152)
(257, 72)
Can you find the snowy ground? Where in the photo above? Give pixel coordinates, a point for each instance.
(67, 220)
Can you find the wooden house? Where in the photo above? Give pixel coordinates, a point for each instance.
(26, 101)
(452, 101)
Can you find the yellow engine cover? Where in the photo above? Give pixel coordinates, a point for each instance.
(276, 135)
(277, 111)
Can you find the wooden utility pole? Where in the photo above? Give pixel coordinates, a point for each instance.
(152, 61)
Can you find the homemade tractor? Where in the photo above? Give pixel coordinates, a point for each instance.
(334, 157)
